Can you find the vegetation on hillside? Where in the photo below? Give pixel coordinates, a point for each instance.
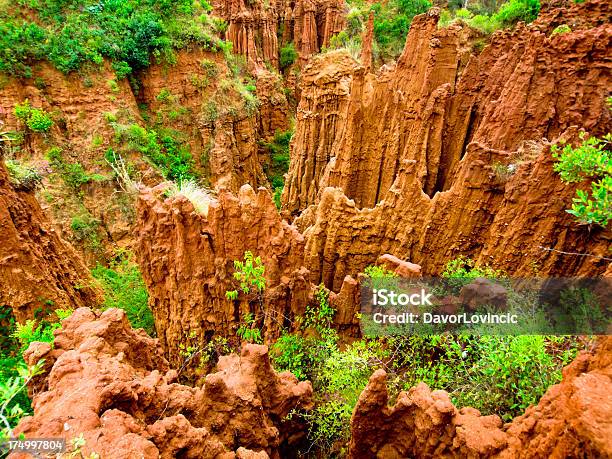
(74, 33)
(124, 288)
(392, 21)
(590, 162)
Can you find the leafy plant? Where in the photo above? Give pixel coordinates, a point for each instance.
(248, 331)
(34, 118)
(462, 270)
(288, 55)
(22, 176)
(592, 161)
(10, 388)
(250, 274)
(124, 288)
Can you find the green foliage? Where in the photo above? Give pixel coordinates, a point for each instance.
(321, 315)
(248, 331)
(392, 22)
(74, 33)
(288, 55)
(279, 150)
(559, 30)
(500, 375)
(250, 273)
(164, 148)
(487, 20)
(74, 175)
(590, 161)
(124, 288)
(514, 11)
(11, 389)
(34, 118)
(85, 229)
(462, 270)
(579, 309)
(22, 176)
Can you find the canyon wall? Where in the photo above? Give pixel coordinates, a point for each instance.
(38, 270)
(448, 153)
(258, 29)
(187, 259)
(198, 101)
(111, 384)
(571, 420)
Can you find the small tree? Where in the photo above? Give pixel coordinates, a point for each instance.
(591, 160)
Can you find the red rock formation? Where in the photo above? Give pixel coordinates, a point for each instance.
(438, 157)
(111, 384)
(573, 419)
(38, 270)
(254, 25)
(325, 86)
(187, 263)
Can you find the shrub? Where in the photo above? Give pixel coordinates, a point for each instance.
(514, 11)
(279, 150)
(125, 289)
(590, 161)
(35, 119)
(462, 270)
(128, 33)
(563, 28)
(22, 176)
(288, 55)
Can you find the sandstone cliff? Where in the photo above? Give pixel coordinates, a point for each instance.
(258, 29)
(571, 420)
(38, 270)
(446, 153)
(199, 102)
(112, 385)
(187, 264)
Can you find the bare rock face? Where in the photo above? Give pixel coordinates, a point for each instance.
(447, 153)
(254, 26)
(111, 384)
(325, 91)
(572, 419)
(37, 268)
(187, 263)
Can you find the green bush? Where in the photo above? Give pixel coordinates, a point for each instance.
(590, 161)
(125, 289)
(514, 11)
(35, 119)
(163, 148)
(22, 176)
(76, 33)
(288, 55)
(279, 150)
(462, 270)
(500, 375)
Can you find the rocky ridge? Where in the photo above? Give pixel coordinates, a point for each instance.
(38, 270)
(426, 166)
(111, 384)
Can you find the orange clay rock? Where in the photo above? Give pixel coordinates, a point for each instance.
(441, 156)
(187, 264)
(111, 384)
(253, 27)
(37, 268)
(573, 418)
